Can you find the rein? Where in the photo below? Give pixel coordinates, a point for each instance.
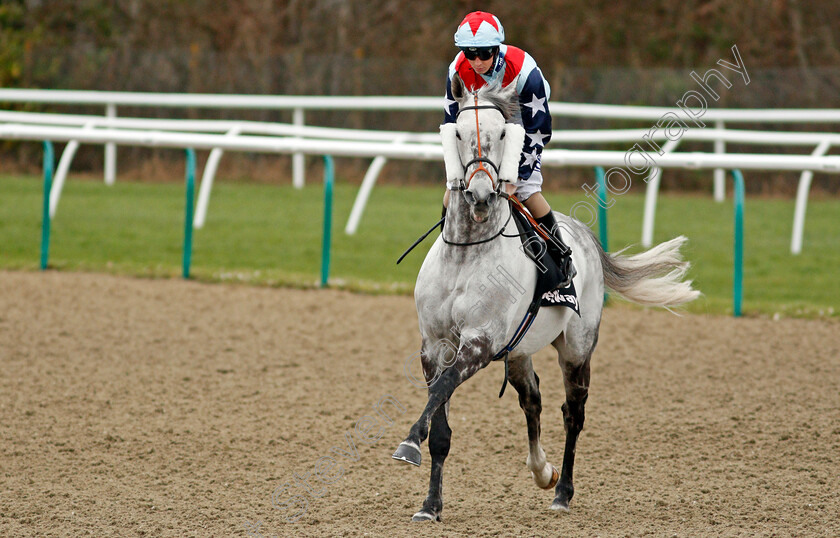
(422, 237)
(481, 159)
(513, 204)
(537, 228)
(471, 243)
(440, 223)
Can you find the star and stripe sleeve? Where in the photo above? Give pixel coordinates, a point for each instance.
(536, 119)
(450, 105)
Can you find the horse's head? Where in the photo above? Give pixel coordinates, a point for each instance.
(481, 149)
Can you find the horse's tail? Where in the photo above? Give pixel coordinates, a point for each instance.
(653, 277)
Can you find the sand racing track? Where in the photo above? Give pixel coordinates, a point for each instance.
(168, 408)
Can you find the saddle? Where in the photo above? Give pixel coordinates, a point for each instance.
(546, 292)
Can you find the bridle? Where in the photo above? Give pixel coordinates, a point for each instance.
(497, 186)
(480, 241)
(481, 159)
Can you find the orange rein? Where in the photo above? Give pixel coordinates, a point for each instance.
(516, 203)
(521, 208)
(480, 163)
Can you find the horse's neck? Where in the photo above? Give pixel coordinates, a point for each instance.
(480, 284)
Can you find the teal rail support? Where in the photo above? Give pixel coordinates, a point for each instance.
(49, 162)
(190, 180)
(738, 277)
(602, 209)
(329, 177)
(602, 212)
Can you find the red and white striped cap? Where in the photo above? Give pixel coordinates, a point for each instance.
(479, 29)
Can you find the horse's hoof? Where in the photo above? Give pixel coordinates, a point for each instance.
(409, 453)
(555, 477)
(560, 506)
(425, 516)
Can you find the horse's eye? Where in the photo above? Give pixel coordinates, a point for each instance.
(457, 135)
(503, 136)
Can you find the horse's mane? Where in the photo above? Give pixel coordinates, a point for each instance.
(500, 98)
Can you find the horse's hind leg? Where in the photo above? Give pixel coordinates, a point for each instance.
(575, 365)
(523, 378)
(439, 437)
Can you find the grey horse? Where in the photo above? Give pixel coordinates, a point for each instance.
(476, 283)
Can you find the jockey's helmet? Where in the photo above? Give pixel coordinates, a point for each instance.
(479, 29)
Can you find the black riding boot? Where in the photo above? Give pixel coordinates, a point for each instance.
(558, 250)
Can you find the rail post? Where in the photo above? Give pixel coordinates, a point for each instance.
(188, 219)
(720, 173)
(45, 219)
(298, 170)
(110, 150)
(329, 177)
(802, 200)
(738, 276)
(602, 209)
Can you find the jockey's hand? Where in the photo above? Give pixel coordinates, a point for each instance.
(510, 188)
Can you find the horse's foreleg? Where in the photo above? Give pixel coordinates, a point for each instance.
(439, 437)
(439, 393)
(577, 390)
(472, 356)
(527, 384)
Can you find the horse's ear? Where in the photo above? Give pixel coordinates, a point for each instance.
(508, 95)
(458, 88)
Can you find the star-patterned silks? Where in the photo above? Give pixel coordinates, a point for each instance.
(531, 158)
(447, 103)
(536, 105)
(537, 139)
(514, 67)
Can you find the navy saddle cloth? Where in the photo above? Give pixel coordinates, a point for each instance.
(548, 274)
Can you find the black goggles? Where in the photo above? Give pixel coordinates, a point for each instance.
(482, 53)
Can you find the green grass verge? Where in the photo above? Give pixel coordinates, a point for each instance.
(271, 235)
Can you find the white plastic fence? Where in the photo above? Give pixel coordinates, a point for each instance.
(299, 104)
(719, 136)
(236, 141)
(425, 151)
(822, 141)
(344, 148)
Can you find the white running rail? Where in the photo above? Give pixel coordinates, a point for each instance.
(719, 135)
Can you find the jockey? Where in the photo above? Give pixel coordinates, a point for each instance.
(484, 59)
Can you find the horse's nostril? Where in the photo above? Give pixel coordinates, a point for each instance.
(482, 207)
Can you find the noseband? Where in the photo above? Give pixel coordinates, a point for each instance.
(480, 159)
